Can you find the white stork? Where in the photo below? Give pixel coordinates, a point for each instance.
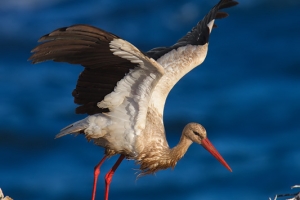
(123, 90)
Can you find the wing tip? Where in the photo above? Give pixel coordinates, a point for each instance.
(203, 26)
(227, 3)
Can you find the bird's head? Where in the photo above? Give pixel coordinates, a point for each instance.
(197, 133)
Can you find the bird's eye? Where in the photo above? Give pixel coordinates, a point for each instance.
(198, 134)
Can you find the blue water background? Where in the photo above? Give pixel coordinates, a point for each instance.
(246, 94)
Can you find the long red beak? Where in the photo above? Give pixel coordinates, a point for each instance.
(211, 149)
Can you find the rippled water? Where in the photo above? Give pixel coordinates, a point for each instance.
(246, 94)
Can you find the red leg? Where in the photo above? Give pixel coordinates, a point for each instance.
(96, 174)
(109, 175)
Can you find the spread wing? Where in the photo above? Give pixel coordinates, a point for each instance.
(89, 47)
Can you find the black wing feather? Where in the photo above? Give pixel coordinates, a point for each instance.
(89, 47)
(199, 35)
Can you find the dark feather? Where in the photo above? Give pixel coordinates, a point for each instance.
(199, 35)
(89, 47)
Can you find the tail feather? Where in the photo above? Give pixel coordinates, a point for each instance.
(92, 127)
(74, 128)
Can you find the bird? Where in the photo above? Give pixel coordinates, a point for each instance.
(123, 91)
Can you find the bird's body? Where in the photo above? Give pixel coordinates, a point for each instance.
(124, 90)
(137, 132)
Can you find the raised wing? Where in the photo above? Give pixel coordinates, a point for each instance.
(189, 52)
(89, 47)
(199, 35)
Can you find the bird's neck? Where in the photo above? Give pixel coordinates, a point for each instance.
(152, 147)
(177, 152)
(163, 157)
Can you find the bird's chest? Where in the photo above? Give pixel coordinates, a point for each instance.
(153, 136)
